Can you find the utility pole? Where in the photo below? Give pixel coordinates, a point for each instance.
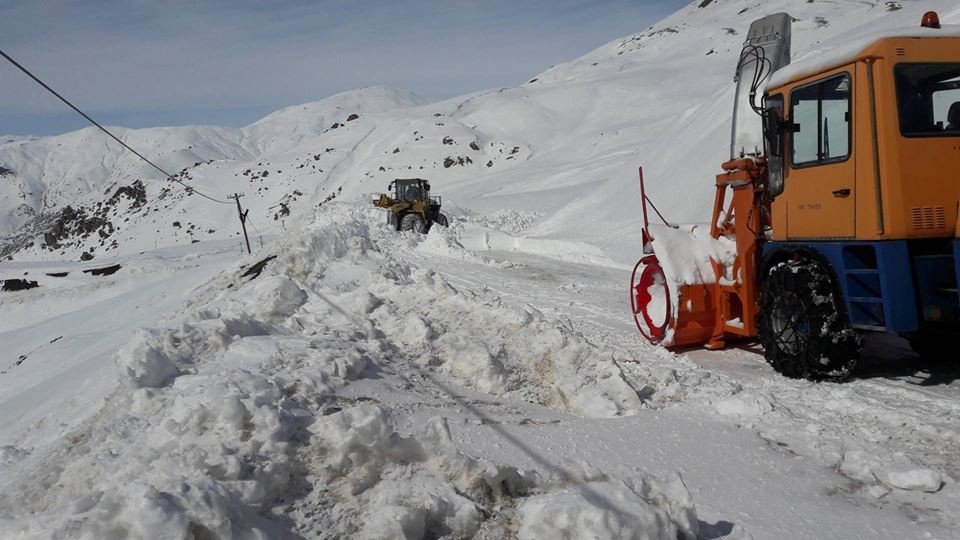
(243, 218)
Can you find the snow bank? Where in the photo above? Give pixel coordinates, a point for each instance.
(913, 479)
(418, 509)
(231, 421)
(391, 486)
(145, 362)
(509, 221)
(445, 242)
(611, 509)
(745, 405)
(477, 341)
(279, 298)
(848, 429)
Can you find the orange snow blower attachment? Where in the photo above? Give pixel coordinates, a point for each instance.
(655, 315)
(675, 307)
(654, 296)
(697, 287)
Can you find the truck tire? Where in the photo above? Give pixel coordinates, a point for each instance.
(801, 327)
(442, 220)
(413, 222)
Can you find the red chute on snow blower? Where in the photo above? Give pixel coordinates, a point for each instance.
(650, 299)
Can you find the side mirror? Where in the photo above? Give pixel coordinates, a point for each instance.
(773, 131)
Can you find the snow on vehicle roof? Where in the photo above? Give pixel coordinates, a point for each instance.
(830, 55)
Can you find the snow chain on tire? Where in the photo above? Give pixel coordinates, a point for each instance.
(801, 327)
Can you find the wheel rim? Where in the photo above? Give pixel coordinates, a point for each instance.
(790, 323)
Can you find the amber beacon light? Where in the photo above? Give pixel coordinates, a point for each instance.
(930, 20)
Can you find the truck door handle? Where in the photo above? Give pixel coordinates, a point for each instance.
(845, 192)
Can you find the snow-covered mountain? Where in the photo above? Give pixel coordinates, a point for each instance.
(85, 170)
(564, 146)
(6, 140)
(484, 380)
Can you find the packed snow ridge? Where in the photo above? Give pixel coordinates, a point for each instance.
(232, 418)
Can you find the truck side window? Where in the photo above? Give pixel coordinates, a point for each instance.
(820, 114)
(928, 96)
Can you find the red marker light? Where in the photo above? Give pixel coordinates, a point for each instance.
(930, 20)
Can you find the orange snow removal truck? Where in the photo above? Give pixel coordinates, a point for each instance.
(838, 207)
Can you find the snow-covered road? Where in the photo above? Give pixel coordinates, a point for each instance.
(896, 414)
(472, 382)
(55, 338)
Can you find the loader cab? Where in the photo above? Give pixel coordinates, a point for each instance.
(410, 190)
(415, 192)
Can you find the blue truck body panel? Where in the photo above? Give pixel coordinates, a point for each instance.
(890, 286)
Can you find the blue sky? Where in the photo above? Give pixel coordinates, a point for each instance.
(229, 62)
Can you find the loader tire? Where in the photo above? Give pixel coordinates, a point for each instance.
(801, 326)
(413, 222)
(442, 220)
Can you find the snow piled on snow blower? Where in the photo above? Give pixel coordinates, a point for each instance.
(687, 255)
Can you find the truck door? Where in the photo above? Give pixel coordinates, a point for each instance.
(821, 188)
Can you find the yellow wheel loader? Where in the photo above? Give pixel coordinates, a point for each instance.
(410, 207)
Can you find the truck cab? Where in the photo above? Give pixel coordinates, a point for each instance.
(865, 178)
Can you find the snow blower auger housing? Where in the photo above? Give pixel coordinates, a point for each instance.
(410, 207)
(836, 215)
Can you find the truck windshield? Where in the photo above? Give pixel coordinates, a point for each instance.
(929, 99)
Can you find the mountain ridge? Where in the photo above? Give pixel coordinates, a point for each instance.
(564, 145)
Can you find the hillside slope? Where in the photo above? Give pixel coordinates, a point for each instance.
(560, 150)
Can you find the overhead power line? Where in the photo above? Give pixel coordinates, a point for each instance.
(259, 234)
(105, 130)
